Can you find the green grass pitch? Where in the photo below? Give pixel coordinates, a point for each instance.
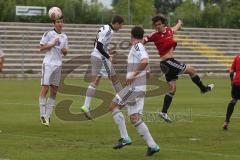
(197, 136)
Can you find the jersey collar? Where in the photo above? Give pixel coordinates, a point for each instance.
(57, 31)
(111, 27)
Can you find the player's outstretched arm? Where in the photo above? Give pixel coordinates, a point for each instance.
(177, 26)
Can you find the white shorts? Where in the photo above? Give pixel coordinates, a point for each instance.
(131, 98)
(51, 75)
(102, 67)
(137, 108)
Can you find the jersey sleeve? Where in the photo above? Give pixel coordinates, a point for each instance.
(141, 52)
(149, 38)
(233, 67)
(102, 34)
(65, 45)
(45, 38)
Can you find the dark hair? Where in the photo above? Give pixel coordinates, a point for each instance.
(159, 18)
(60, 18)
(117, 19)
(137, 32)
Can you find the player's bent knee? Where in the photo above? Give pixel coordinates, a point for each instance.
(113, 106)
(233, 101)
(134, 118)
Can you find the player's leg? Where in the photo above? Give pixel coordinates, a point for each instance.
(96, 64)
(54, 83)
(168, 100)
(230, 110)
(196, 79)
(112, 75)
(116, 83)
(120, 121)
(51, 101)
(45, 83)
(89, 94)
(235, 92)
(118, 102)
(42, 103)
(135, 112)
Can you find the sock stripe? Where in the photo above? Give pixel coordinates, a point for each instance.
(138, 123)
(170, 94)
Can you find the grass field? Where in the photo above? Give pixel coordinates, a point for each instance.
(198, 136)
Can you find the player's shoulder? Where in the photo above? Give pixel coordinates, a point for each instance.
(169, 29)
(64, 34)
(139, 47)
(48, 32)
(105, 27)
(152, 34)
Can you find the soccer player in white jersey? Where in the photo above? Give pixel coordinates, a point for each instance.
(132, 96)
(101, 61)
(1, 60)
(54, 44)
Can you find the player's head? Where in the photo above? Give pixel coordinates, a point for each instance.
(117, 22)
(159, 22)
(137, 33)
(58, 23)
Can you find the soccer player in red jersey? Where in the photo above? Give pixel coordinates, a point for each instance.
(235, 81)
(163, 40)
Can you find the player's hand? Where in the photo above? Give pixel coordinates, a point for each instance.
(130, 79)
(55, 42)
(180, 23)
(64, 51)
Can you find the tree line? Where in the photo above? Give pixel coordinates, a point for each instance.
(201, 13)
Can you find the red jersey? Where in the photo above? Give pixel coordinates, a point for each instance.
(236, 68)
(163, 40)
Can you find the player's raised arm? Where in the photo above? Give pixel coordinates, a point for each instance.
(177, 26)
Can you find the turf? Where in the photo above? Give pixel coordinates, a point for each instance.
(196, 133)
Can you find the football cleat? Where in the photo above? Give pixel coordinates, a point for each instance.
(122, 142)
(225, 126)
(208, 88)
(86, 112)
(44, 121)
(165, 117)
(151, 151)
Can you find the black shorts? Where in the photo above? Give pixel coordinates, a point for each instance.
(172, 68)
(235, 92)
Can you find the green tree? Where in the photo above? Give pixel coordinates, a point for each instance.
(141, 11)
(190, 13)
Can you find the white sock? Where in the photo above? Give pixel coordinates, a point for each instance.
(42, 106)
(117, 86)
(143, 131)
(90, 93)
(50, 105)
(120, 121)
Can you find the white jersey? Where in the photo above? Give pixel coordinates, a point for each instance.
(104, 36)
(136, 54)
(1, 53)
(53, 55)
